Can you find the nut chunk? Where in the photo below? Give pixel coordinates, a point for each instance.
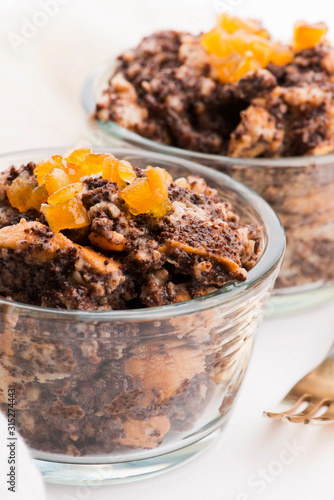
(257, 134)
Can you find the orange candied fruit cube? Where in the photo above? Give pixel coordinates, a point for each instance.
(138, 196)
(38, 196)
(232, 23)
(56, 180)
(236, 67)
(65, 193)
(262, 50)
(245, 66)
(159, 211)
(75, 172)
(110, 172)
(78, 156)
(68, 215)
(308, 35)
(20, 191)
(281, 54)
(148, 194)
(125, 171)
(94, 163)
(44, 167)
(117, 171)
(157, 181)
(212, 42)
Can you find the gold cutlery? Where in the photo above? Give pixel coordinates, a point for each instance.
(311, 395)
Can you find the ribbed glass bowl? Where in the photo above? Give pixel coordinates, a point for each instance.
(104, 397)
(300, 190)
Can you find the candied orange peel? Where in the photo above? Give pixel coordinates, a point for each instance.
(65, 193)
(238, 46)
(60, 185)
(20, 191)
(70, 214)
(149, 194)
(117, 171)
(38, 197)
(308, 35)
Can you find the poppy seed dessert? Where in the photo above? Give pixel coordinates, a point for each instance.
(232, 91)
(130, 237)
(88, 232)
(236, 92)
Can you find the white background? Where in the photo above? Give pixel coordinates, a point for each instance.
(40, 80)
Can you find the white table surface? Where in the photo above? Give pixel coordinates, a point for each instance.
(39, 102)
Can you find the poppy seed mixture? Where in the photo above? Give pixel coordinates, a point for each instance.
(88, 232)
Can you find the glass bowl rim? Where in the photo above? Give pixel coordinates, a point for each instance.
(271, 256)
(88, 101)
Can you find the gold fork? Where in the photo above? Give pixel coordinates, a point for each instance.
(316, 390)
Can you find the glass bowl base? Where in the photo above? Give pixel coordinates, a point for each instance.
(116, 473)
(292, 301)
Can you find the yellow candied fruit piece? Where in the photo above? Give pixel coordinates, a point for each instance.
(262, 50)
(68, 215)
(110, 172)
(232, 23)
(117, 171)
(38, 196)
(308, 35)
(159, 211)
(245, 66)
(94, 163)
(125, 171)
(75, 172)
(166, 175)
(236, 67)
(78, 156)
(157, 182)
(211, 41)
(65, 193)
(281, 54)
(138, 196)
(148, 194)
(56, 180)
(20, 191)
(238, 43)
(44, 167)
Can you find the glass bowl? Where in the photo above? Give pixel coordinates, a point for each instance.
(105, 397)
(300, 190)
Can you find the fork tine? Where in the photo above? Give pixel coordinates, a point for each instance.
(291, 410)
(319, 421)
(317, 388)
(326, 418)
(311, 410)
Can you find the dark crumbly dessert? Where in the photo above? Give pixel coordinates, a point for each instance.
(121, 238)
(167, 89)
(198, 94)
(118, 260)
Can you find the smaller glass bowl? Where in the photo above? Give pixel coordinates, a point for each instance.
(105, 397)
(300, 190)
